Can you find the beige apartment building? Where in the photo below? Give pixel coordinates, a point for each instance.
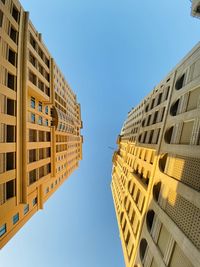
(40, 122)
(156, 173)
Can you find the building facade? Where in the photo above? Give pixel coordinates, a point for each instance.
(156, 175)
(40, 122)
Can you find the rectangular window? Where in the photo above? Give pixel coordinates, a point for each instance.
(41, 172)
(41, 85)
(46, 75)
(32, 135)
(47, 62)
(33, 42)
(51, 186)
(15, 218)
(48, 136)
(159, 99)
(47, 91)
(13, 34)
(152, 103)
(40, 120)
(32, 118)
(41, 136)
(186, 132)
(10, 107)
(48, 168)
(10, 161)
(1, 18)
(41, 54)
(11, 81)
(47, 110)
(32, 78)
(32, 59)
(15, 13)
(32, 102)
(12, 57)
(32, 155)
(41, 69)
(10, 189)
(40, 107)
(26, 209)
(10, 134)
(167, 92)
(2, 230)
(46, 122)
(41, 153)
(47, 190)
(48, 152)
(34, 201)
(32, 177)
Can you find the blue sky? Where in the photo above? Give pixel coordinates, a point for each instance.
(112, 53)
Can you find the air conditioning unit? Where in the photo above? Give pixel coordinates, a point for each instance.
(195, 8)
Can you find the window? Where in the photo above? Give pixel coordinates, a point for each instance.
(180, 82)
(46, 75)
(11, 81)
(46, 122)
(10, 189)
(186, 132)
(2, 230)
(32, 177)
(10, 134)
(34, 201)
(48, 152)
(48, 136)
(10, 161)
(143, 248)
(41, 172)
(155, 117)
(32, 41)
(47, 190)
(47, 91)
(32, 155)
(41, 136)
(32, 102)
(32, 78)
(137, 196)
(159, 99)
(51, 186)
(15, 218)
(40, 85)
(32, 59)
(13, 34)
(10, 107)
(26, 209)
(1, 18)
(32, 135)
(48, 168)
(40, 120)
(12, 57)
(168, 135)
(47, 61)
(32, 118)
(41, 69)
(40, 107)
(47, 110)
(41, 54)
(152, 103)
(15, 13)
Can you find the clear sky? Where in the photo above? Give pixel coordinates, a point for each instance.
(112, 52)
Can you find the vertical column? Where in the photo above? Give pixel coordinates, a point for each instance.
(24, 107)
